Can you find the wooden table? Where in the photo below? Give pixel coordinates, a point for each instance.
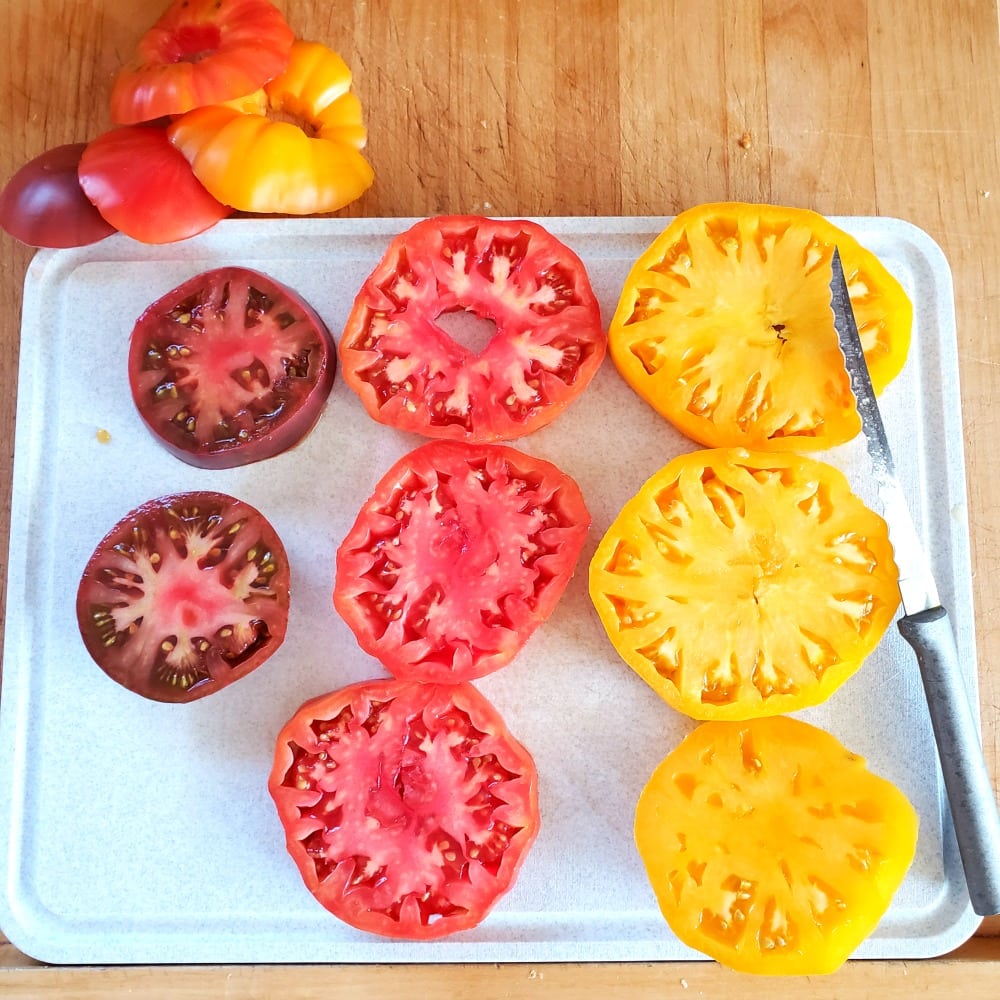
(598, 107)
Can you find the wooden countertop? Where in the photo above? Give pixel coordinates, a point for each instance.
(606, 107)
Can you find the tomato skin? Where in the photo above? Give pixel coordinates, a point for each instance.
(771, 847)
(43, 205)
(184, 596)
(741, 584)
(143, 186)
(459, 555)
(412, 375)
(257, 164)
(408, 808)
(724, 327)
(231, 367)
(201, 52)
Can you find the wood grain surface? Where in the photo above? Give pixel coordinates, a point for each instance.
(604, 107)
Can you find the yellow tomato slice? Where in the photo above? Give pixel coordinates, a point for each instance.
(741, 584)
(771, 847)
(724, 327)
(293, 148)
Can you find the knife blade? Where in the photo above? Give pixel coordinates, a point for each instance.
(926, 627)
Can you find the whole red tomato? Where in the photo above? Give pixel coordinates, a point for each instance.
(145, 187)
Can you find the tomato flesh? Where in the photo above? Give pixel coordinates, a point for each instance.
(724, 327)
(230, 367)
(43, 204)
(411, 374)
(408, 807)
(739, 583)
(185, 595)
(771, 847)
(460, 554)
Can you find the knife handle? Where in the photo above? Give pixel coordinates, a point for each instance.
(966, 778)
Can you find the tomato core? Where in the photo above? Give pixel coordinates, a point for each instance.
(468, 328)
(192, 43)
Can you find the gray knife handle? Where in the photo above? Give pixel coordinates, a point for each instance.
(966, 778)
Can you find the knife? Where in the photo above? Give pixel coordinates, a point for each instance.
(925, 626)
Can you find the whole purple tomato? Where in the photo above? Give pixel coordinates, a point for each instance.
(43, 204)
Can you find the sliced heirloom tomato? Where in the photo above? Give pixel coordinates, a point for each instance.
(299, 156)
(185, 595)
(43, 205)
(740, 584)
(230, 367)
(408, 808)
(201, 52)
(459, 555)
(724, 327)
(771, 847)
(412, 374)
(145, 188)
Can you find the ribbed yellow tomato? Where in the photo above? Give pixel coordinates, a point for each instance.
(301, 157)
(741, 584)
(724, 327)
(771, 847)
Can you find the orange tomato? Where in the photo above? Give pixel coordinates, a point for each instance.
(301, 157)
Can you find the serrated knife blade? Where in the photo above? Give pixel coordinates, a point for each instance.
(926, 627)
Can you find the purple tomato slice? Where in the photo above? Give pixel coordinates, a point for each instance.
(408, 808)
(230, 367)
(459, 555)
(185, 595)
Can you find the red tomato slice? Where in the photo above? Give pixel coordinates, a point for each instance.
(185, 595)
(145, 187)
(460, 554)
(43, 204)
(201, 52)
(230, 367)
(411, 374)
(408, 808)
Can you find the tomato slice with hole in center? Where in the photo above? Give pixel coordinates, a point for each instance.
(230, 367)
(771, 847)
(185, 595)
(739, 583)
(408, 808)
(412, 374)
(459, 555)
(201, 52)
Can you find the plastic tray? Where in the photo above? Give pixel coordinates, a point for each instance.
(141, 832)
